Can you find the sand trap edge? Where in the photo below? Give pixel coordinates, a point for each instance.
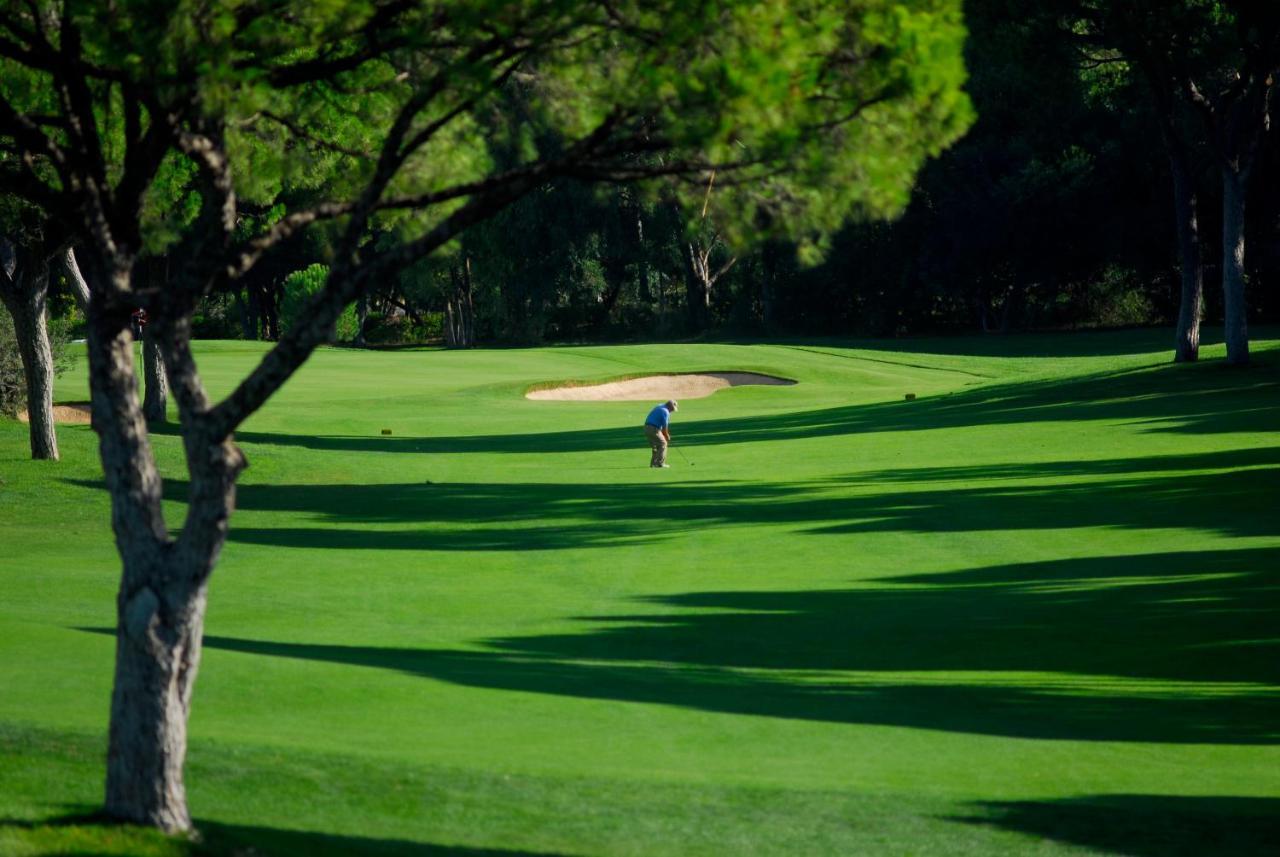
(68, 413)
(656, 387)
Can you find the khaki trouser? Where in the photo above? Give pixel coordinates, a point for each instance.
(658, 443)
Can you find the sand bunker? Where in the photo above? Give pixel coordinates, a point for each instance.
(73, 413)
(657, 387)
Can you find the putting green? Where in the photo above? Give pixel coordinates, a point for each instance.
(1032, 610)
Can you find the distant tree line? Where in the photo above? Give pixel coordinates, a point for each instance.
(1089, 193)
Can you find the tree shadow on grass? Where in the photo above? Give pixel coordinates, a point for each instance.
(545, 516)
(1145, 825)
(1234, 498)
(1175, 647)
(1065, 343)
(1191, 399)
(76, 835)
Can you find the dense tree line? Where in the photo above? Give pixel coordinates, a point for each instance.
(1089, 193)
(1057, 209)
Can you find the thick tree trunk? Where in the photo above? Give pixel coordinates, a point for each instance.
(161, 603)
(1191, 302)
(158, 636)
(26, 301)
(1235, 325)
(156, 401)
(154, 658)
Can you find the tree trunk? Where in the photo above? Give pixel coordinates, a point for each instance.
(450, 325)
(1191, 302)
(76, 281)
(642, 252)
(362, 315)
(467, 306)
(247, 323)
(161, 603)
(26, 300)
(155, 657)
(1235, 326)
(155, 405)
(158, 635)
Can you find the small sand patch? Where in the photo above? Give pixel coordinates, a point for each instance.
(72, 413)
(657, 387)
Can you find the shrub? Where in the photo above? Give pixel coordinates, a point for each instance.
(300, 287)
(400, 330)
(1115, 300)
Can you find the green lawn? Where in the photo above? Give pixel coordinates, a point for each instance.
(1033, 611)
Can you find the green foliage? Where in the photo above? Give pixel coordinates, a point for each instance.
(301, 287)
(1114, 300)
(13, 384)
(217, 317)
(380, 329)
(775, 85)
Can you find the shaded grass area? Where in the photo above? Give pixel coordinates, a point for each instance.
(1144, 825)
(1033, 611)
(969, 652)
(461, 813)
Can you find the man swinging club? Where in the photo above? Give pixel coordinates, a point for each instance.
(655, 428)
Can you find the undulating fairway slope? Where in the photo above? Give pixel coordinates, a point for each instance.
(1032, 611)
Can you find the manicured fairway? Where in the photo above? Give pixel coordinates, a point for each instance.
(1033, 611)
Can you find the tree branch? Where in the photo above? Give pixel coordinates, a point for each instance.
(75, 279)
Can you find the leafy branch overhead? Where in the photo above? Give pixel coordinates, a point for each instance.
(216, 131)
(429, 116)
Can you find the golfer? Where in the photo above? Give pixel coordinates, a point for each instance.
(655, 428)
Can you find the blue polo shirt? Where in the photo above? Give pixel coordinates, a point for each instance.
(658, 417)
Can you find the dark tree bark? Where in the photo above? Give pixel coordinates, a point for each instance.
(155, 403)
(1236, 119)
(75, 280)
(248, 324)
(1157, 69)
(1191, 301)
(362, 315)
(468, 305)
(161, 603)
(1235, 311)
(459, 310)
(24, 290)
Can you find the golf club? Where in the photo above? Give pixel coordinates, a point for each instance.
(682, 455)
